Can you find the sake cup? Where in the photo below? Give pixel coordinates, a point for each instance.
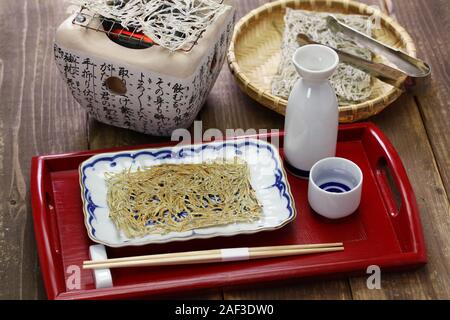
(335, 186)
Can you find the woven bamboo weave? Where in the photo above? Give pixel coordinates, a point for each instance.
(255, 51)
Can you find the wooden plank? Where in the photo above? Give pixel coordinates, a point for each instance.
(337, 289)
(403, 123)
(37, 115)
(105, 136)
(430, 31)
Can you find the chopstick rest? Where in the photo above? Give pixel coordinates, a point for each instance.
(235, 254)
(102, 277)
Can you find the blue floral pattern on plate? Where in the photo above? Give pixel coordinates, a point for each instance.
(267, 178)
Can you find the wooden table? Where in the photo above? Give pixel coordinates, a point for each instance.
(39, 116)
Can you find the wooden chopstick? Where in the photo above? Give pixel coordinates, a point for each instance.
(210, 256)
(214, 251)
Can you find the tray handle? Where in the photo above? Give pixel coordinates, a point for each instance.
(388, 188)
(45, 228)
(396, 191)
(51, 213)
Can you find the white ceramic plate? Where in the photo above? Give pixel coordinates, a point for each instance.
(266, 173)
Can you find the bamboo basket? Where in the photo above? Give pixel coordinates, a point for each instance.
(254, 54)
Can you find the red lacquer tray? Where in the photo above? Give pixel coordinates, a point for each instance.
(385, 231)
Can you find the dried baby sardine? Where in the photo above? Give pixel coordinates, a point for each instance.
(179, 197)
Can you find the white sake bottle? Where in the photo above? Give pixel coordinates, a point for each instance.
(312, 114)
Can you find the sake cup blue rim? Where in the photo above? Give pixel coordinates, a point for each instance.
(334, 194)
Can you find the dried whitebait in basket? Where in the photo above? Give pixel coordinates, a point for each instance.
(170, 23)
(180, 197)
(351, 84)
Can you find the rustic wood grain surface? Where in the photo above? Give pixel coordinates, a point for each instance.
(39, 116)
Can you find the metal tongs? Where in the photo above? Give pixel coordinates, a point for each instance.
(411, 74)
